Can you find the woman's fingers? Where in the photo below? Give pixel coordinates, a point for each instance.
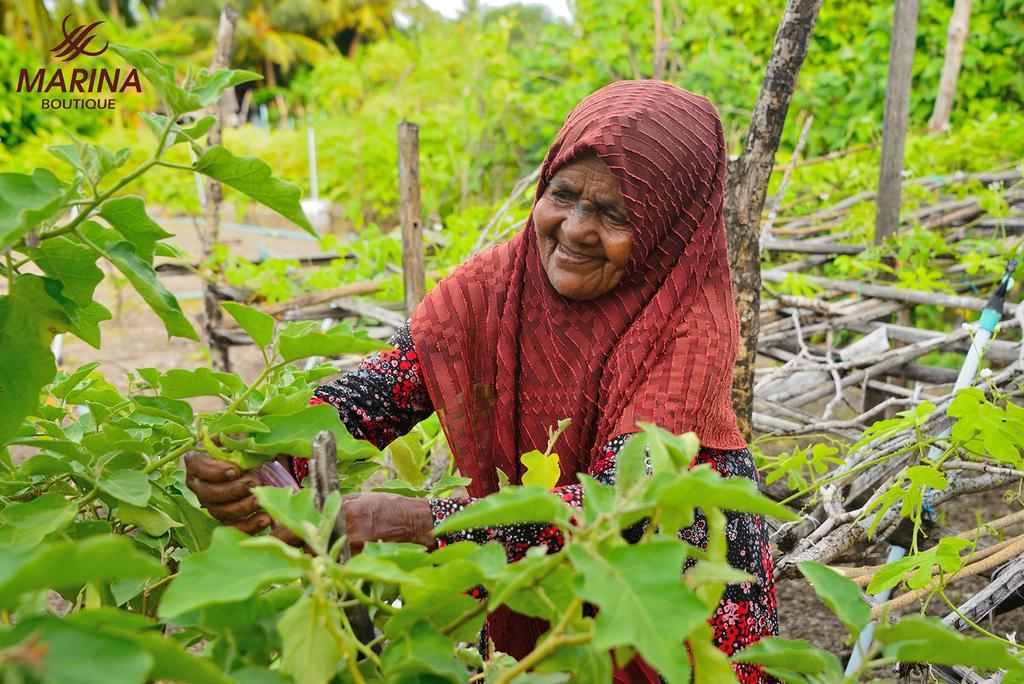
(253, 524)
(234, 510)
(210, 469)
(286, 535)
(222, 492)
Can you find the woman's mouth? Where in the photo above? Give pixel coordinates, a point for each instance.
(569, 256)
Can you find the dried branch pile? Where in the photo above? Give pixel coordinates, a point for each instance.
(813, 381)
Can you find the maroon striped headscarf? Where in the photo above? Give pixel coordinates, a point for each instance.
(505, 356)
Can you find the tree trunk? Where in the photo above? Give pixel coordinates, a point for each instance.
(897, 109)
(956, 37)
(747, 185)
(210, 235)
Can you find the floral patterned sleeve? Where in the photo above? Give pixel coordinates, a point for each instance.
(380, 400)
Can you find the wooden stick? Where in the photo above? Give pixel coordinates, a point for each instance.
(863, 576)
(325, 483)
(905, 600)
(956, 37)
(1008, 582)
(411, 214)
(891, 292)
(209, 236)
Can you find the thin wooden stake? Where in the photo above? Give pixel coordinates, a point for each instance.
(209, 236)
(956, 37)
(325, 483)
(411, 214)
(897, 106)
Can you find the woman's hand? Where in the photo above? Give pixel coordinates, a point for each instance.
(380, 516)
(223, 489)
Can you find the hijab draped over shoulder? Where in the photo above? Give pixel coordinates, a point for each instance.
(505, 356)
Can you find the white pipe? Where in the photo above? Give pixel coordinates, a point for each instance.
(860, 649)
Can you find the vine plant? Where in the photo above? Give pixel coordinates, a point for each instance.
(109, 565)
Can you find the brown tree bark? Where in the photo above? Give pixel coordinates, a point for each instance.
(747, 185)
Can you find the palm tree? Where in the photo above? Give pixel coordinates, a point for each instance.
(271, 35)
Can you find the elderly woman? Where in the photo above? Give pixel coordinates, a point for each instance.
(612, 305)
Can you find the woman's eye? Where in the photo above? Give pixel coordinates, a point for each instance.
(616, 220)
(561, 196)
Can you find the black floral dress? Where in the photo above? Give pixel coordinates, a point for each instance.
(386, 396)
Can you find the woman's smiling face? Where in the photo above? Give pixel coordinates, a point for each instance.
(583, 230)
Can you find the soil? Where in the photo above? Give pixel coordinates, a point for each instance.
(803, 616)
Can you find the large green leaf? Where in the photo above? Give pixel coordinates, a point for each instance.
(179, 383)
(915, 639)
(310, 653)
(421, 654)
(62, 564)
(130, 486)
(30, 316)
(181, 100)
(254, 177)
(143, 278)
(128, 216)
(27, 524)
(293, 434)
(526, 504)
(439, 596)
(305, 339)
(841, 595)
(792, 655)
(67, 259)
(703, 487)
(259, 325)
(226, 572)
(643, 601)
(28, 201)
(73, 653)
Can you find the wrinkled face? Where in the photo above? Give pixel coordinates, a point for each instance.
(583, 229)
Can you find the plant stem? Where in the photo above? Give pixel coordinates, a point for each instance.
(249, 390)
(975, 625)
(89, 206)
(171, 457)
(553, 641)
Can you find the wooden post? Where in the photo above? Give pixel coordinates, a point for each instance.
(210, 235)
(411, 214)
(660, 42)
(897, 105)
(747, 185)
(956, 37)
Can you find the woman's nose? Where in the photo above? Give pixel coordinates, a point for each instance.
(579, 225)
